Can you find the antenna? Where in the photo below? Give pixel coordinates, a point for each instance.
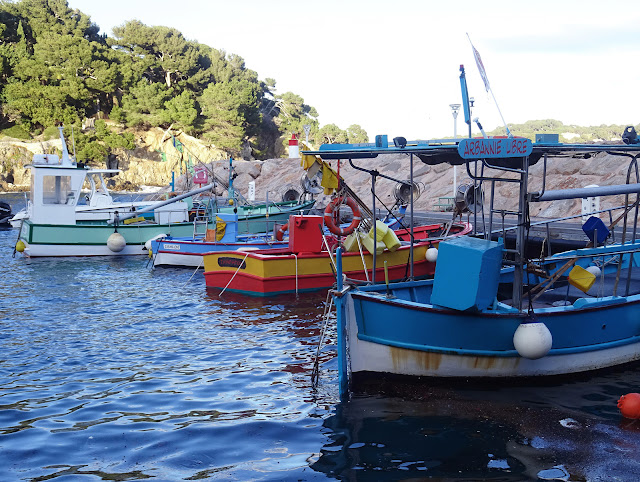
(465, 98)
(73, 143)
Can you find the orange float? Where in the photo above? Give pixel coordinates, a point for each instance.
(629, 405)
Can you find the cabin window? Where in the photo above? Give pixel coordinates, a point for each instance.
(56, 189)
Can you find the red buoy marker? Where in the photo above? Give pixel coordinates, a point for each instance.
(629, 405)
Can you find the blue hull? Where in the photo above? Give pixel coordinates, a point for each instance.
(586, 325)
(588, 331)
(188, 253)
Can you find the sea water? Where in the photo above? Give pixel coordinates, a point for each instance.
(111, 370)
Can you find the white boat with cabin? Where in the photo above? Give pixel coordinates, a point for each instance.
(55, 226)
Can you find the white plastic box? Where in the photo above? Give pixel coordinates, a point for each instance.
(177, 212)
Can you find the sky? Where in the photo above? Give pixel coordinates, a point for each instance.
(393, 67)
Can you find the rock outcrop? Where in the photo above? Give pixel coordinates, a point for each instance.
(274, 177)
(155, 160)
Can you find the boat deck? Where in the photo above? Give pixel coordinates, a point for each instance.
(605, 285)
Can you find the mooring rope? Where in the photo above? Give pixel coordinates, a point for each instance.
(296, 256)
(194, 273)
(234, 274)
(315, 373)
(326, 245)
(364, 264)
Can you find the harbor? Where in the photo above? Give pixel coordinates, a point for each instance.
(219, 266)
(150, 375)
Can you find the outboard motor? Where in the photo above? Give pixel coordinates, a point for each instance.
(629, 136)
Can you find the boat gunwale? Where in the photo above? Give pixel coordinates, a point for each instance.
(380, 298)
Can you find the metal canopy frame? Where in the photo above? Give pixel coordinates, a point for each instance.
(446, 151)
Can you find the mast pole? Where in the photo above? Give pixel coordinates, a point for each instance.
(518, 273)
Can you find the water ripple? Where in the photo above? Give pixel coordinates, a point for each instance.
(112, 371)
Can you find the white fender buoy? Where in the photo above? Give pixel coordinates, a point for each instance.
(532, 340)
(116, 242)
(594, 270)
(432, 255)
(147, 245)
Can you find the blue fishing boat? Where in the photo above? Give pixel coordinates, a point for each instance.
(489, 312)
(223, 235)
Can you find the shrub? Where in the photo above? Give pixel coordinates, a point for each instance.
(17, 132)
(51, 132)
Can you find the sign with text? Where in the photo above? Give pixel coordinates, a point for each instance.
(494, 148)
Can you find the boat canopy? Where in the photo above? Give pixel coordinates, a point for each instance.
(442, 151)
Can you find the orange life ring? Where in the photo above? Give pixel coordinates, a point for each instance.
(280, 232)
(330, 222)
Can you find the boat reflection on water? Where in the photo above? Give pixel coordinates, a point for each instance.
(284, 315)
(568, 431)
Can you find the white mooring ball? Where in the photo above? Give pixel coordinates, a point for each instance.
(594, 270)
(532, 340)
(147, 245)
(432, 254)
(116, 242)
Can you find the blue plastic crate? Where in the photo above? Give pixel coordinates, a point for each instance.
(595, 227)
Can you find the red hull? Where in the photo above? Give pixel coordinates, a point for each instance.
(258, 286)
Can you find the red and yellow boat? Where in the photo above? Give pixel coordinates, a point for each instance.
(307, 265)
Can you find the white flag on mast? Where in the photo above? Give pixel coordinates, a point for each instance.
(485, 79)
(480, 65)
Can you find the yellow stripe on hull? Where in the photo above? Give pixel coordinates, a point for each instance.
(275, 265)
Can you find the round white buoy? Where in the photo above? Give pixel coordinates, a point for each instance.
(532, 340)
(594, 270)
(116, 242)
(147, 245)
(432, 255)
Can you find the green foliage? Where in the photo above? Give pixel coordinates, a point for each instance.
(567, 133)
(293, 113)
(113, 140)
(181, 111)
(117, 114)
(356, 134)
(17, 132)
(232, 113)
(144, 104)
(94, 145)
(50, 132)
(55, 67)
(332, 134)
(89, 150)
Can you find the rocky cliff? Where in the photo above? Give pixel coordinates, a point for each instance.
(277, 176)
(155, 160)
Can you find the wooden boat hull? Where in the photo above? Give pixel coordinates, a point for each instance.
(273, 272)
(588, 331)
(90, 239)
(256, 219)
(188, 253)
(437, 343)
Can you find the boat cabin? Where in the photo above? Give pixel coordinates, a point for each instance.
(56, 185)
